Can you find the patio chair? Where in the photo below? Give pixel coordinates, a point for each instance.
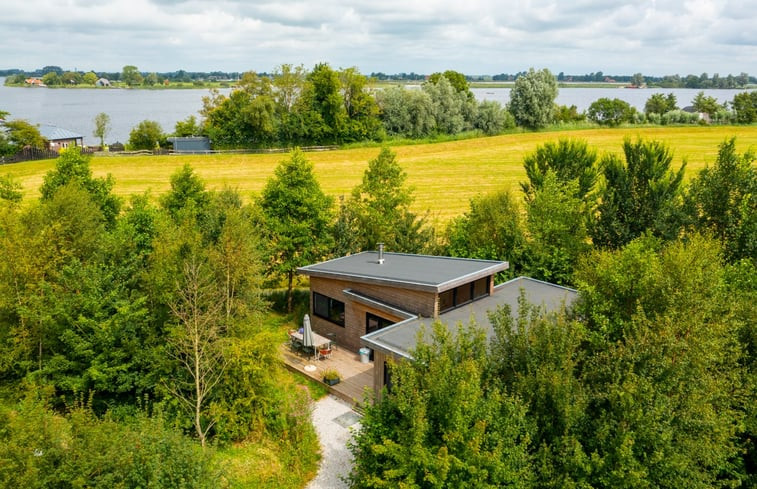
(324, 353)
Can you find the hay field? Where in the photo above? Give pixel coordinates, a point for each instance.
(444, 175)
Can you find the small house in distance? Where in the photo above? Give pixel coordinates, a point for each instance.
(59, 138)
(102, 82)
(192, 144)
(380, 301)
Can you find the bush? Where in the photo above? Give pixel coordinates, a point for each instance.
(610, 112)
(44, 449)
(679, 117)
(147, 135)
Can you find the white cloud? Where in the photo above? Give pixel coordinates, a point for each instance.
(476, 36)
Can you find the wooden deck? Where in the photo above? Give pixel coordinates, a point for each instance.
(355, 376)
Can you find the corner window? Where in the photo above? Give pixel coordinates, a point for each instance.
(450, 299)
(328, 308)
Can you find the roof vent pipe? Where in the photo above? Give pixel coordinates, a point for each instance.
(381, 253)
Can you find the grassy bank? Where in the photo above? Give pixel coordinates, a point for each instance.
(445, 175)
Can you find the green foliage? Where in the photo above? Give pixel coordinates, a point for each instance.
(131, 76)
(569, 159)
(565, 114)
(147, 135)
(641, 195)
(408, 113)
(443, 424)
(491, 118)
(297, 215)
(660, 104)
(21, 133)
(322, 97)
(187, 195)
(72, 167)
(102, 127)
(42, 449)
(188, 127)
(10, 189)
(455, 78)
(745, 106)
(491, 230)
(557, 235)
(707, 104)
(51, 79)
(607, 112)
(532, 98)
(379, 210)
(452, 109)
(723, 198)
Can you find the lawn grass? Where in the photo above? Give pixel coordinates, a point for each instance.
(444, 175)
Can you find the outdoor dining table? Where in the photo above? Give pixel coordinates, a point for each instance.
(318, 340)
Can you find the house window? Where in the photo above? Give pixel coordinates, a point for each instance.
(450, 299)
(328, 308)
(375, 323)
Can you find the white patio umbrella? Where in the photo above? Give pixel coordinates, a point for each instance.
(307, 333)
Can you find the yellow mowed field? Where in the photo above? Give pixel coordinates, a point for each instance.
(444, 175)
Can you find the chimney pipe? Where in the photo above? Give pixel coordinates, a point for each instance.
(381, 253)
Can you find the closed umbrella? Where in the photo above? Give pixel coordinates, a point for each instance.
(307, 333)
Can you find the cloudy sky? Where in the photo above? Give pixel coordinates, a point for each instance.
(473, 36)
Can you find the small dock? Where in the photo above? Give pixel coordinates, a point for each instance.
(355, 376)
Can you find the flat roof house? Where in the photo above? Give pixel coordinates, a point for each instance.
(381, 300)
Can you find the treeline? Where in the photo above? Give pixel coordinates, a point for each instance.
(649, 380)
(133, 338)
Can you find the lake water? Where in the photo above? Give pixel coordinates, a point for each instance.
(75, 109)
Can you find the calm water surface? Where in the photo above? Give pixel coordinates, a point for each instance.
(75, 109)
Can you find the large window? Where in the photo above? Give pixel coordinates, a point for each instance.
(328, 308)
(450, 299)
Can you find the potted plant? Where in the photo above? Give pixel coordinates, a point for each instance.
(331, 377)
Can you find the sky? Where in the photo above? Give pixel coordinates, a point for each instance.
(652, 37)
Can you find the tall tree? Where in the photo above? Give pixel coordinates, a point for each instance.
(196, 342)
(659, 104)
(131, 75)
(381, 203)
(532, 98)
(297, 217)
(323, 98)
(147, 135)
(643, 194)
(723, 198)
(102, 127)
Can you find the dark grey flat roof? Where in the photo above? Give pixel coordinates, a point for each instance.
(401, 337)
(419, 272)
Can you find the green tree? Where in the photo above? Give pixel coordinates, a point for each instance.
(443, 424)
(297, 215)
(21, 133)
(492, 229)
(187, 195)
(146, 135)
(745, 106)
(607, 112)
(557, 234)
(102, 127)
(663, 365)
(52, 79)
(325, 103)
(569, 159)
(641, 195)
(449, 106)
(405, 112)
(131, 76)
(188, 127)
(73, 167)
(89, 78)
(381, 203)
(455, 78)
(492, 118)
(723, 198)
(660, 104)
(360, 106)
(637, 80)
(532, 98)
(707, 104)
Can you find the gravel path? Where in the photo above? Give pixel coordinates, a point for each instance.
(333, 419)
